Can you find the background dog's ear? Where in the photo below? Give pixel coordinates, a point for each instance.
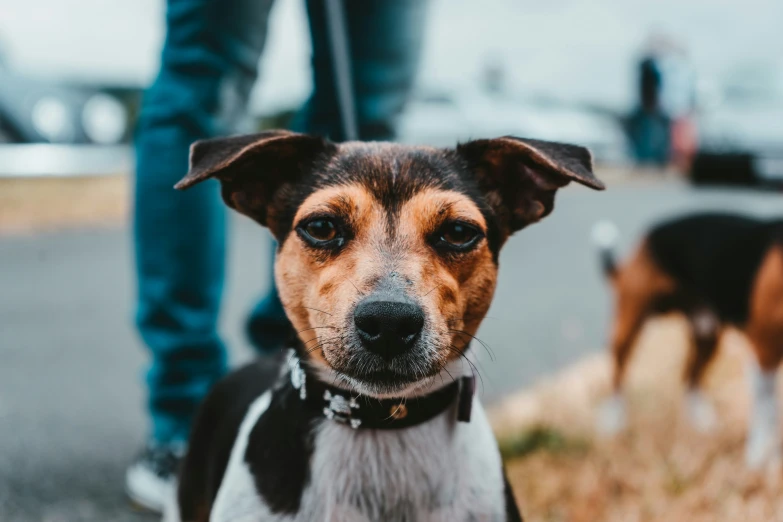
(519, 177)
(255, 171)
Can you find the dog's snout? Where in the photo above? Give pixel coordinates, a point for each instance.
(388, 328)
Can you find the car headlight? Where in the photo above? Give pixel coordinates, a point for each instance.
(52, 119)
(104, 119)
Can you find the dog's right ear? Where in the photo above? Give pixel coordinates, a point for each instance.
(255, 171)
(520, 177)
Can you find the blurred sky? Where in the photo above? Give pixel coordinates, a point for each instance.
(571, 49)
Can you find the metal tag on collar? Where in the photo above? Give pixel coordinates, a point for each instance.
(341, 409)
(298, 377)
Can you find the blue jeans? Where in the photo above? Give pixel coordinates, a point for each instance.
(209, 64)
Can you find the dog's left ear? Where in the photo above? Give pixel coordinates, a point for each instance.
(256, 171)
(519, 177)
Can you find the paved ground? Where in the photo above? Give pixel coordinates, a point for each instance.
(70, 365)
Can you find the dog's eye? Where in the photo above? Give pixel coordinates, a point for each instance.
(458, 235)
(321, 229)
(322, 232)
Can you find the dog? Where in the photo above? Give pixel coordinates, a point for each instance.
(717, 269)
(386, 264)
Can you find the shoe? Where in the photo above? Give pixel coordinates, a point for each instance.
(150, 480)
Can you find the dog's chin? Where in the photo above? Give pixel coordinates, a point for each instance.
(386, 379)
(386, 384)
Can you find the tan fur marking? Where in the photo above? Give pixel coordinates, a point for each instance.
(637, 284)
(458, 292)
(765, 326)
(326, 289)
(318, 291)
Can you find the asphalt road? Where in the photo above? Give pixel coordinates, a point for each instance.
(71, 365)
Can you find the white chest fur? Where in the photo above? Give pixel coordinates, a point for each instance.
(441, 470)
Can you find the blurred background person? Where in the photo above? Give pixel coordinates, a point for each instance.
(648, 126)
(661, 128)
(678, 102)
(209, 64)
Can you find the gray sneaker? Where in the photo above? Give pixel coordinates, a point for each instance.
(150, 480)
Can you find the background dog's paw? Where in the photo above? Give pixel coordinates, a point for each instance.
(611, 415)
(700, 411)
(763, 442)
(762, 446)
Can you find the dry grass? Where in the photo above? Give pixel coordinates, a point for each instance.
(33, 204)
(660, 469)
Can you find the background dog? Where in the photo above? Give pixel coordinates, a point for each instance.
(717, 269)
(386, 265)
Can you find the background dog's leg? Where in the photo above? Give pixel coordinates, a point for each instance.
(765, 331)
(763, 434)
(705, 334)
(638, 285)
(763, 441)
(631, 313)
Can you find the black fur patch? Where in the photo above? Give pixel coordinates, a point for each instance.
(279, 447)
(279, 450)
(714, 258)
(214, 432)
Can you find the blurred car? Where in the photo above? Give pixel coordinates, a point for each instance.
(34, 110)
(740, 130)
(442, 118)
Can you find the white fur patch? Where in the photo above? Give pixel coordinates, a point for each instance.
(441, 470)
(763, 444)
(705, 324)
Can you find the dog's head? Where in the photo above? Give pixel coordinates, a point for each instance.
(388, 254)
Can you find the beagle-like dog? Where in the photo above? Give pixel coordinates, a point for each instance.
(717, 269)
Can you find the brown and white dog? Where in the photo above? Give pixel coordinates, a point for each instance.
(386, 265)
(717, 269)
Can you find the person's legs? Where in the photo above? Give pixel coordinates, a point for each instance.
(385, 40)
(208, 65)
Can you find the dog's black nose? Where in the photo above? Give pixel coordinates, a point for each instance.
(388, 328)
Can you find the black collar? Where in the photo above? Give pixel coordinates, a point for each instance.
(359, 411)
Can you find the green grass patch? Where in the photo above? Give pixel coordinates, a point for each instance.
(541, 438)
